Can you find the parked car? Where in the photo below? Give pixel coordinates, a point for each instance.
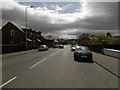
(61, 46)
(43, 48)
(83, 53)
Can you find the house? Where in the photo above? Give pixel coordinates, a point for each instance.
(12, 34)
(13, 37)
(46, 40)
(56, 42)
(35, 41)
(16, 38)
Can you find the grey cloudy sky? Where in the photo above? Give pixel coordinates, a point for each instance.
(64, 19)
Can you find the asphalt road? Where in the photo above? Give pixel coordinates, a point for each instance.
(54, 68)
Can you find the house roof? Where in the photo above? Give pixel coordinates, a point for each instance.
(38, 40)
(28, 39)
(56, 41)
(16, 25)
(47, 37)
(20, 27)
(33, 31)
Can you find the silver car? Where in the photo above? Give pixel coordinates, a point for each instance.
(42, 48)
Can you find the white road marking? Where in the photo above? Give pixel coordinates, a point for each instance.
(8, 82)
(52, 54)
(38, 63)
(57, 51)
(43, 60)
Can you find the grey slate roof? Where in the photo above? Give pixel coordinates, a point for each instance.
(20, 27)
(47, 37)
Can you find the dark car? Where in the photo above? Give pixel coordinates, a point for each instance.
(83, 53)
(55, 46)
(42, 48)
(61, 46)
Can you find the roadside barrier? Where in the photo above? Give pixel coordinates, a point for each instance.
(111, 52)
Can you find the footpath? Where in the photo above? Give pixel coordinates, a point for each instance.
(17, 53)
(107, 62)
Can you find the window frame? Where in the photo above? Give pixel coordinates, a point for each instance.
(12, 33)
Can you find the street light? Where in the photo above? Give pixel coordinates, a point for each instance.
(26, 22)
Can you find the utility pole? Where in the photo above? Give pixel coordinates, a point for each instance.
(26, 25)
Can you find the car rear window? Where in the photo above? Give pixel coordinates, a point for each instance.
(42, 46)
(83, 48)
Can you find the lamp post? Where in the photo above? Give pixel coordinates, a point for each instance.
(26, 23)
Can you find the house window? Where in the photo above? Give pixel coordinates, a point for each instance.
(12, 32)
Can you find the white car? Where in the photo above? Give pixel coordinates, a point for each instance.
(61, 46)
(42, 48)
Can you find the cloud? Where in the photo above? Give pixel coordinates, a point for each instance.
(90, 17)
(57, 8)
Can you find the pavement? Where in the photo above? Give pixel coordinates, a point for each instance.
(8, 55)
(107, 62)
(56, 68)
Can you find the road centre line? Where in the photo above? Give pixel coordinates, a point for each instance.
(43, 60)
(38, 63)
(52, 54)
(56, 51)
(8, 82)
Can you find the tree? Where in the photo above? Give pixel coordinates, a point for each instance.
(105, 39)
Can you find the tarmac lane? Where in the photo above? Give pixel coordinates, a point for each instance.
(19, 64)
(57, 69)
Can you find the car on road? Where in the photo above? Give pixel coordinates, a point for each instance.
(61, 46)
(43, 48)
(83, 53)
(55, 46)
(73, 48)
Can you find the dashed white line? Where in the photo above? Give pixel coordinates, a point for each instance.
(8, 82)
(38, 63)
(43, 60)
(52, 54)
(57, 51)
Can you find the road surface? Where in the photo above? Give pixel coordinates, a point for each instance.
(55, 68)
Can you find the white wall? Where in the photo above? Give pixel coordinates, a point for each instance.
(112, 52)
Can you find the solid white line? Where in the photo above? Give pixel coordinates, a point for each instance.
(38, 63)
(8, 82)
